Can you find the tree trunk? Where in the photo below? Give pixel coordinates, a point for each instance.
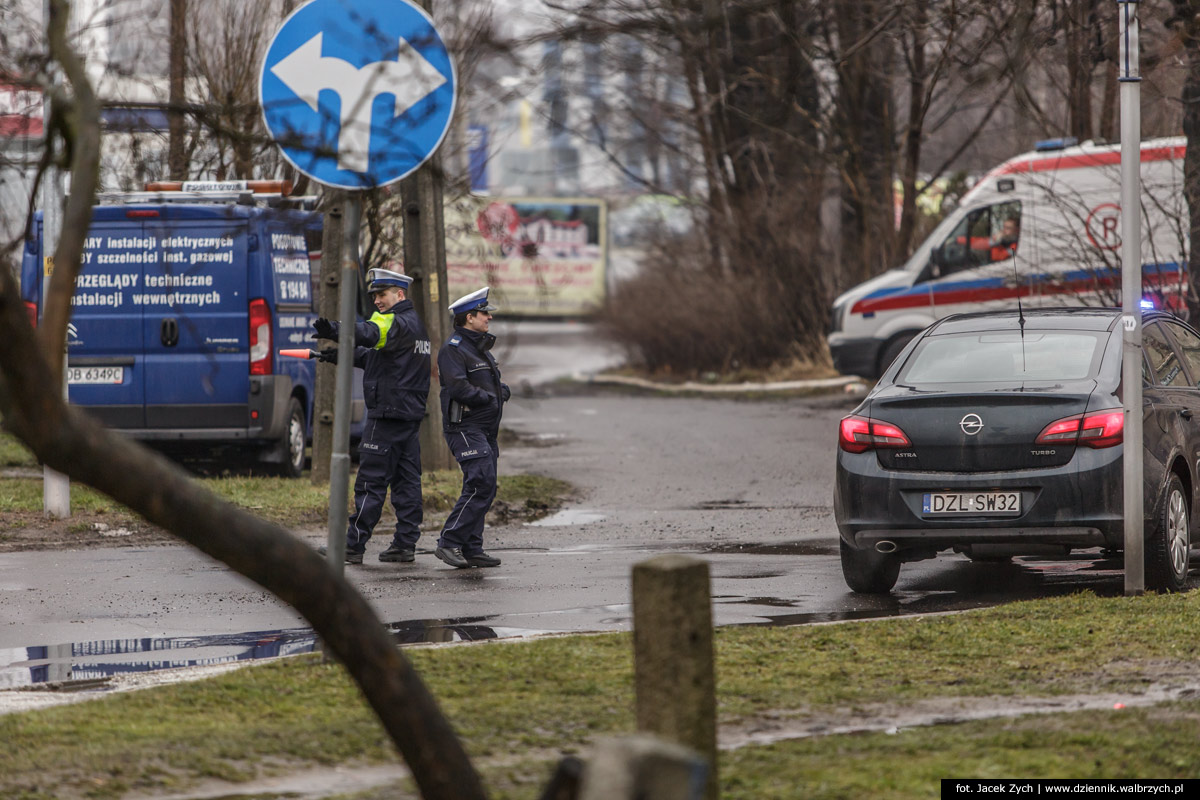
(1190, 35)
(865, 131)
(913, 130)
(67, 440)
(1079, 69)
(176, 155)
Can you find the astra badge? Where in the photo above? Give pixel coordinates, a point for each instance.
(971, 424)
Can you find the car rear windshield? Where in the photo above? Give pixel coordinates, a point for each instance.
(987, 357)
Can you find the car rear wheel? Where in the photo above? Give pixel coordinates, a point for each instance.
(291, 446)
(869, 571)
(1168, 544)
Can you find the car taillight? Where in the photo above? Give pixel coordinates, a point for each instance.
(260, 338)
(859, 434)
(1100, 429)
(31, 310)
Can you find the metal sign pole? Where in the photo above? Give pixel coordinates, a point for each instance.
(1131, 294)
(345, 145)
(339, 462)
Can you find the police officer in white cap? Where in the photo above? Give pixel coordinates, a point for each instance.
(473, 398)
(393, 350)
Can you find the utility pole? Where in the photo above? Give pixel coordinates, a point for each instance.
(327, 306)
(176, 158)
(1131, 294)
(425, 260)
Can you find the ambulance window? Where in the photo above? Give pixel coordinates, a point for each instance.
(1164, 364)
(984, 236)
(1189, 345)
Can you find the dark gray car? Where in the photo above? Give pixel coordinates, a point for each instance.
(1000, 434)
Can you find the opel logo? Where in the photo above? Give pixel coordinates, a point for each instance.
(971, 424)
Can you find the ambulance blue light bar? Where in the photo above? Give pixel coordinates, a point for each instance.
(1061, 143)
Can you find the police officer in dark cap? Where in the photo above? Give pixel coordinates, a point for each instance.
(473, 399)
(393, 350)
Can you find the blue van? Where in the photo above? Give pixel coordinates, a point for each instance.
(183, 301)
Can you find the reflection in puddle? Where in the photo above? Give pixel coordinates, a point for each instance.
(569, 516)
(100, 660)
(812, 548)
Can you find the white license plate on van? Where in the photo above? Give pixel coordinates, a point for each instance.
(84, 375)
(1001, 504)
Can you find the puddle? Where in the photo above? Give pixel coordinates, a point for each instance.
(742, 505)
(817, 548)
(569, 516)
(773, 602)
(91, 664)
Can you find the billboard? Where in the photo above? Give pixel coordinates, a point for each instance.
(540, 256)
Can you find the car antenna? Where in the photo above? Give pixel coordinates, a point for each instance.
(1020, 310)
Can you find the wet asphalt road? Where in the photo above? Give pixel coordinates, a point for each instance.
(745, 485)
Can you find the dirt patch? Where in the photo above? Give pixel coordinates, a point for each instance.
(1162, 683)
(30, 530)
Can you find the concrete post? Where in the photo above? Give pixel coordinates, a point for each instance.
(642, 768)
(673, 656)
(327, 307)
(56, 487)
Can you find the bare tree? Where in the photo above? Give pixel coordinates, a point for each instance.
(1186, 23)
(67, 440)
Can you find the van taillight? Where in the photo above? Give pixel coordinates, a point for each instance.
(1101, 429)
(859, 434)
(260, 338)
(31, 310)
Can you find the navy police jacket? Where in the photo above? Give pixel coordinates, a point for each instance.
(468, 373)
(393, 350)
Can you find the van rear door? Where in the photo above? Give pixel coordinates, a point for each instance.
(105, 370)
(195, 321)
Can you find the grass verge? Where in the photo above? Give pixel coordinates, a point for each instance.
(517, 705)
(291, 503)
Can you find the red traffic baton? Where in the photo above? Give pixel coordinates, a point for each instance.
(301, 353)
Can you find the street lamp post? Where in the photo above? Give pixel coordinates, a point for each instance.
(1131, 293)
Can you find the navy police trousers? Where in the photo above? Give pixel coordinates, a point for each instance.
(389, 456)
(476, 453)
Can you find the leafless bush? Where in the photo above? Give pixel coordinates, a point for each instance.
(684, 315)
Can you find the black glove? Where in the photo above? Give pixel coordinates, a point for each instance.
(505, 392)
(325, 329)
(329, 355)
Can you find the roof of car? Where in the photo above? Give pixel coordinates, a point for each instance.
(1087, 319)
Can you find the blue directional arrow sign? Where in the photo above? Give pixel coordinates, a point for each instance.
(357, 93)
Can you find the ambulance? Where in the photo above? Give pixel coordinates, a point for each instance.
(1043, 227)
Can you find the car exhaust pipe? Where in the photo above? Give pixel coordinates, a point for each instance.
(885, 546)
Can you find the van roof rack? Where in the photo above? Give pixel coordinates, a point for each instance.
(244, 198)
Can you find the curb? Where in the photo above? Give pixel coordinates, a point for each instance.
(724, 388)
